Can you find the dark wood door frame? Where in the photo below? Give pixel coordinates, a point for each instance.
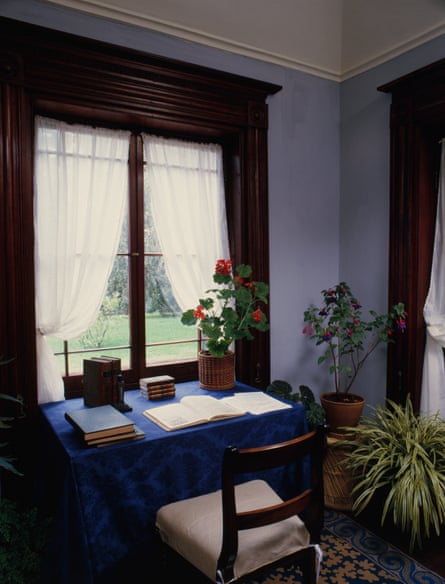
(417, 125)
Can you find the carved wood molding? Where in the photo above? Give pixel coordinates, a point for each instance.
(11, 70)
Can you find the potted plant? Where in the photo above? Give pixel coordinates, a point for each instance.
(397, 462)
(315, 414)
(348, 339)
(229, 313)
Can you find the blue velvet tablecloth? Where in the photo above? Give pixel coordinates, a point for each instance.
(107, 497)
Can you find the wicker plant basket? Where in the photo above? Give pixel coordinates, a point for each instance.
(338, 482)
(216, 372)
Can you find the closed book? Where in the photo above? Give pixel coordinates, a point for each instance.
(158, 395)
(156, 389)
(99, 421)
(136, 434)
(156, 380)
(161, 386)
(161, 395)
(116, 371)
(161, 391)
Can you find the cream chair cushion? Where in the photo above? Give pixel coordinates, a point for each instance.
(193, 528)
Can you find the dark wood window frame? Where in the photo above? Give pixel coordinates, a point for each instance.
(51, 73)
(417, 125)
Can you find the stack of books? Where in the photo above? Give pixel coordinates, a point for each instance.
(158, 387)
(102, 425)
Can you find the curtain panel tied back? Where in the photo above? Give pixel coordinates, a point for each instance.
(433, 375)
(81, 186)
(189, 212)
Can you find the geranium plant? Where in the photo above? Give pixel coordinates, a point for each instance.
(232, 310)
(349, 338)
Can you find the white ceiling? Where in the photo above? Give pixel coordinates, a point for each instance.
(330, 38)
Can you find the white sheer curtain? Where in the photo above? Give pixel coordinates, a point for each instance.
(433, 377)
(186, 189)
(81, 185)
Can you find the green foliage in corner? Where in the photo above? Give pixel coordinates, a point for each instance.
(23, 533)
(315, 414)
(22, 540)
(6, 461)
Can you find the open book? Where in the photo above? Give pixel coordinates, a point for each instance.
(192, 410)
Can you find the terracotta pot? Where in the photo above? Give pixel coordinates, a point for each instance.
(216, 373)
(341, 410)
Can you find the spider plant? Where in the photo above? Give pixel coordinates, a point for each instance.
(400, 455)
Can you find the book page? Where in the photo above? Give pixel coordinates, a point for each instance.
(191, 411)
(174, 416)
(211, 408)
(256, 402)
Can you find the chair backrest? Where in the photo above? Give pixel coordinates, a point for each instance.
(304, 452)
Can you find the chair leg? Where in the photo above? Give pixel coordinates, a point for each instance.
(174, 568)
(308, 566)
(163, 558)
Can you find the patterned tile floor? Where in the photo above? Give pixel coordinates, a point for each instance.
(353, 555)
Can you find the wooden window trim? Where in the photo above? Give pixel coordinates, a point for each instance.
(48, 72)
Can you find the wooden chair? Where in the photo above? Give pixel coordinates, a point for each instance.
(240, 532)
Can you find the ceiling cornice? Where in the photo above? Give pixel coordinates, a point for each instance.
(124, 15)
(173, 29)
(395, 51)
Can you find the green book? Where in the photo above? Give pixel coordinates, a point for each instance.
(99, 422)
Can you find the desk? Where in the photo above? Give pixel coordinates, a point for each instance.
(108, 497)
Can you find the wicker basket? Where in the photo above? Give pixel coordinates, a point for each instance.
(216, 372)
(337, 479)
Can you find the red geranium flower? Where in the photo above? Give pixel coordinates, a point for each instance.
(232, 310)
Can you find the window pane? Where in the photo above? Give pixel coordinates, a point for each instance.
(163, 318)
(111, 328)
(151, 242)
(123, 242)
(167, 340)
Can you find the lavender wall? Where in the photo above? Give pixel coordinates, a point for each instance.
(328, 180)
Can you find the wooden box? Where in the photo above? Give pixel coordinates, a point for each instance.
(100, 385)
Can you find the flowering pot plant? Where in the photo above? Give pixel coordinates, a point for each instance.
(349, 338)
(232, 310)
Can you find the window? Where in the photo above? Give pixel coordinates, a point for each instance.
(62, 76)
(85, 216)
